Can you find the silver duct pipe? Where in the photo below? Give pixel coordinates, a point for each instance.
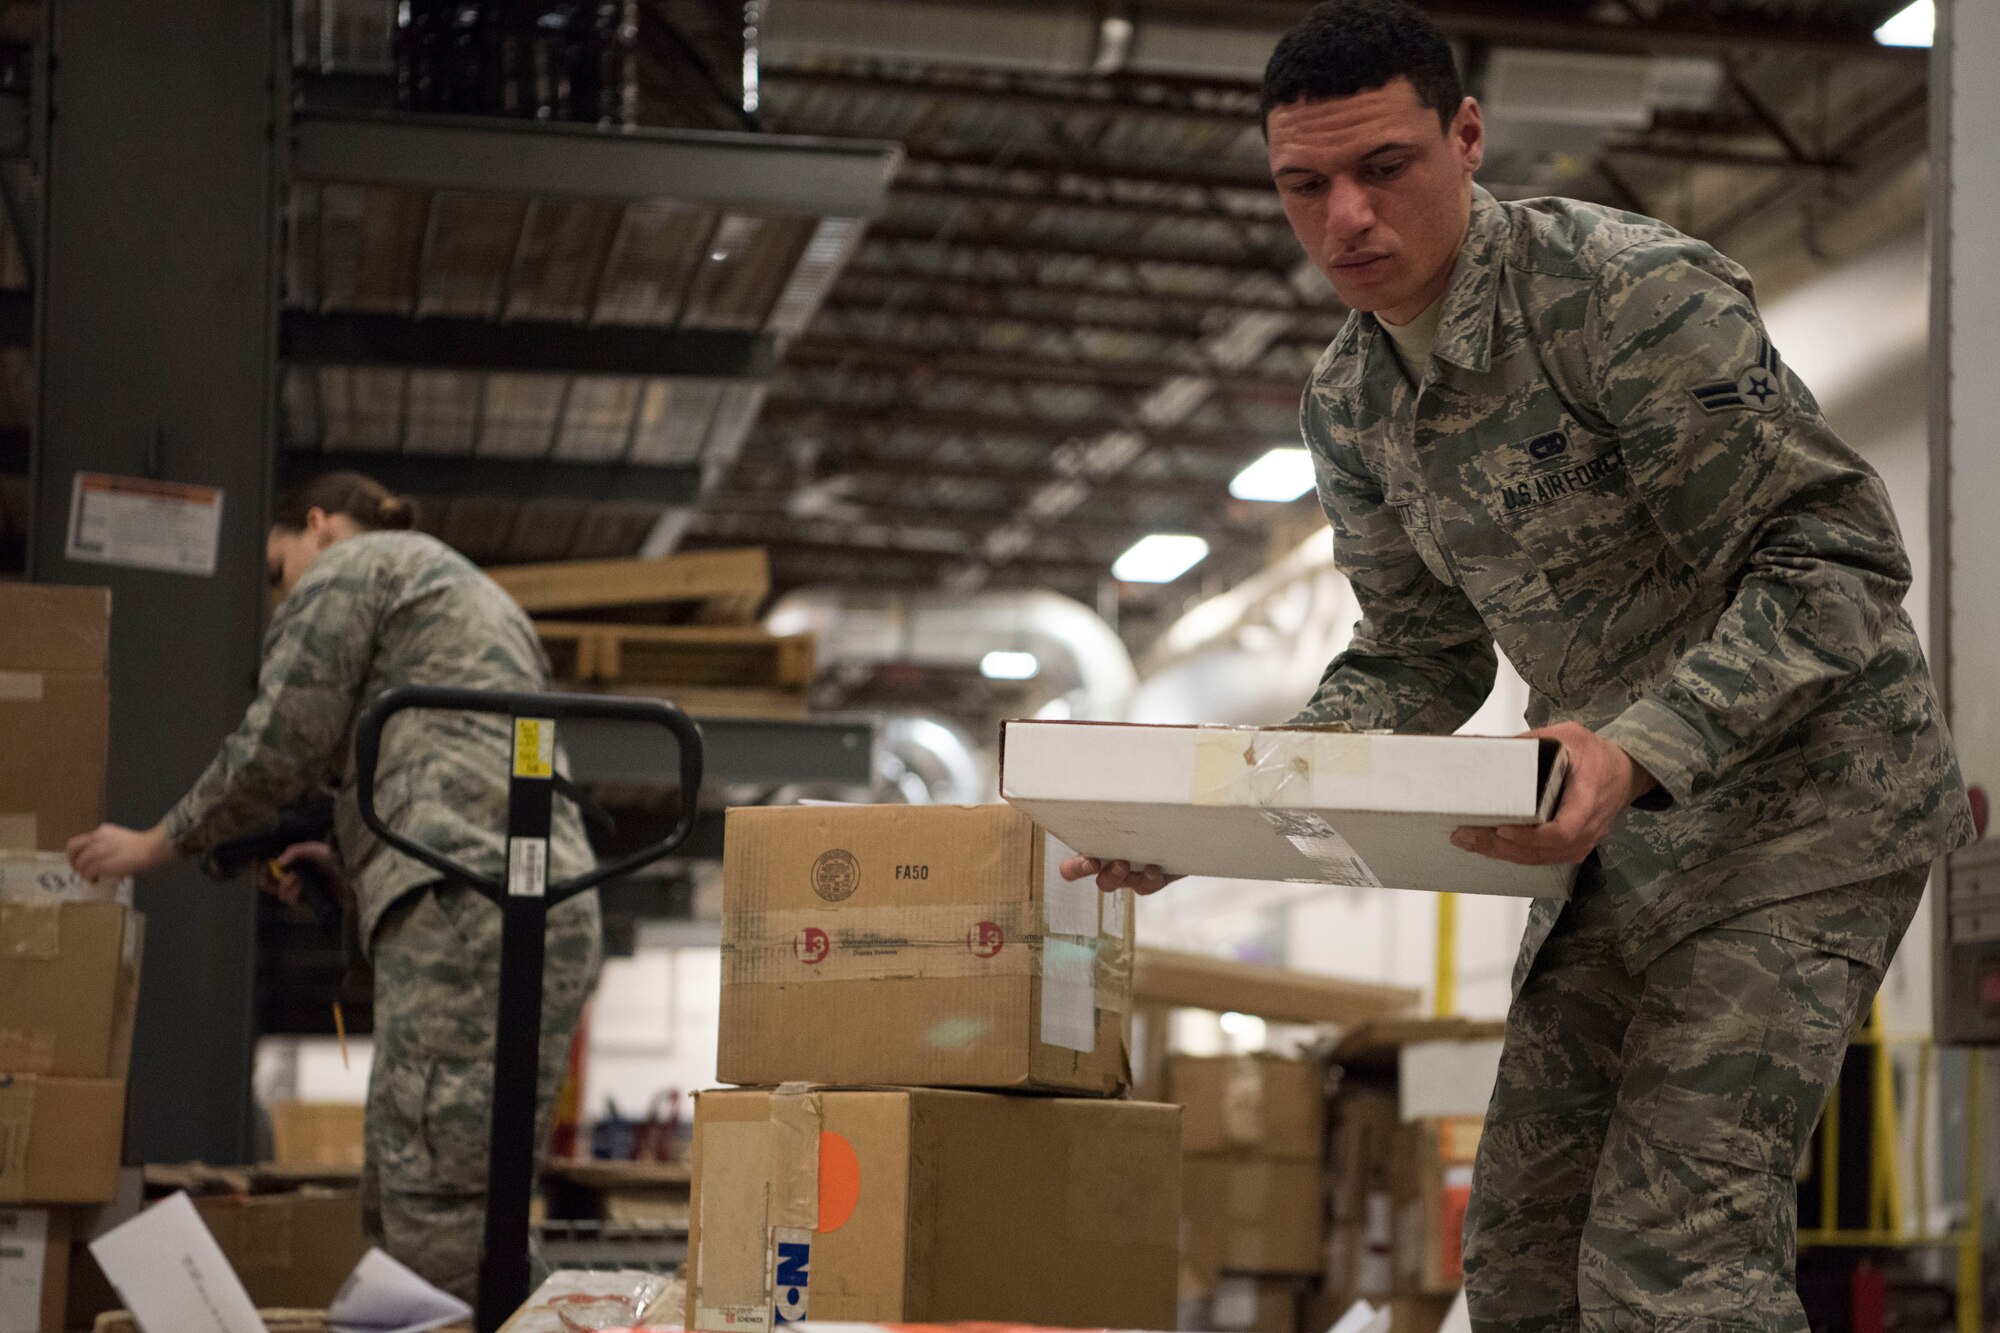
(1035, 36)
(1071, 642)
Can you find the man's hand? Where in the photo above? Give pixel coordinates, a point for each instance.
(1115, 875)
(112, 852)
(1602, 782)
(285, 885)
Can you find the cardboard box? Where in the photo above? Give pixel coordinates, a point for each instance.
(1400, 1195)
(317, 1133)
(65, 993)
(1256, 1104)
(292, 1251)
(55, 710)
(1244, 1304)
(933, 1206)
(1257, 1215)
(1286, 803)
(923, 945)
(60, 1138)
(34, 1269)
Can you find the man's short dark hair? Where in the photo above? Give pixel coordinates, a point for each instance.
(1344, 47)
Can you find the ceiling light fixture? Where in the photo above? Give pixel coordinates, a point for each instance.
(1912, 25)
(1160, 558)
(1003, 665)
(1280, 476)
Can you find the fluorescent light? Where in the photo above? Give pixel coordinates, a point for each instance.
(1160, 558)
(1280, 476)
(1002, 665)
(1911, 25)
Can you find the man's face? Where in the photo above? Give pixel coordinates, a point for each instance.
(1376, 194)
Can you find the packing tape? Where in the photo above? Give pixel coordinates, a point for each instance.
(795, 1121)
(1271, 767)
(882, 943)
(30, 930)
(20, 687)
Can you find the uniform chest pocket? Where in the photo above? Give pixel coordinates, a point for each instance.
(1568, 510)
(1413, 514)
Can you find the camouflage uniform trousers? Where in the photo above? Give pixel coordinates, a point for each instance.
(1637, 1167)
(437, 963)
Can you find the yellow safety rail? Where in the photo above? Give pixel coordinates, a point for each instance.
(1887, 1227)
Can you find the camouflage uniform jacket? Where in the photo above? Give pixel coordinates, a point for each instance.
(376, 611)
(1606, 469)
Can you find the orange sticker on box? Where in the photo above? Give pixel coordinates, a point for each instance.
(839, 1181)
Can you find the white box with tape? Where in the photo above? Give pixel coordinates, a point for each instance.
(1287, 803)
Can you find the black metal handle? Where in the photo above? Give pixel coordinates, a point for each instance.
(522, 703)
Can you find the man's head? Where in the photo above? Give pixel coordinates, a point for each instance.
(1373, 145)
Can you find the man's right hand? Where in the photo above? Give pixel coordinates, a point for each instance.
(281, 880)
(1115, 875)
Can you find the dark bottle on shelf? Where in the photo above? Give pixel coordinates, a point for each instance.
(419, 54)
(548, 62)
(465, 81)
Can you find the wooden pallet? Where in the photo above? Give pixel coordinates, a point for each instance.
(669, 656)
(725, 586)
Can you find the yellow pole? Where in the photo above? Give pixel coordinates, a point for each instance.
(1447, 955)
(1885, 1195)
(1921, 1140)
(1975, 1196)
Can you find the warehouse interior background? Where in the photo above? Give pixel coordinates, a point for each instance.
(944, 307)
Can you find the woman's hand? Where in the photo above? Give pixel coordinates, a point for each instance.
(110, 851)
(281, 879)
(1115, 875)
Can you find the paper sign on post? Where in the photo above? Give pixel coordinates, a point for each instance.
(170, 1273)
(144, 524)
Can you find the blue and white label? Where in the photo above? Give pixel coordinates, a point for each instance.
(791, 1273)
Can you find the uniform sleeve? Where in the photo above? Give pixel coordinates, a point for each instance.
(1729, 454)
(1421, 659)
(316, 658)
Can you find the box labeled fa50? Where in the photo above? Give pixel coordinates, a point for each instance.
(927, 945)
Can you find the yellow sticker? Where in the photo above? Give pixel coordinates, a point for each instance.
(534, 747)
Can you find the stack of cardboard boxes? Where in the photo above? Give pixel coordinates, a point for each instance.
(931, 1029)
(1254, 1224)
(1405, 1129)
(69, 949)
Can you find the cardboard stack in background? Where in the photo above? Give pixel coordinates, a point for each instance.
(1404, 1132)
(69, 949)
(884, 969)
(1254, 1217)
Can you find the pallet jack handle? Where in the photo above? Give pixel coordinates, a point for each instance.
(524, 896)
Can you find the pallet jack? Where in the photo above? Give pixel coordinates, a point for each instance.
(524, 896)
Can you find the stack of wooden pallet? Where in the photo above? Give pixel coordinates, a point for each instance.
(681, 628)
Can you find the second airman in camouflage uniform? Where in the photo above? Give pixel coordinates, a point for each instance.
(376, 610)
(1605, 467)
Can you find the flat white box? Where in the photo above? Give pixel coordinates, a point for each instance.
(1286, 803)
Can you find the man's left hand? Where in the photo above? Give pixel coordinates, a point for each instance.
(1603, 780)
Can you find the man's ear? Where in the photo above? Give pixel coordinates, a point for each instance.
(1468, 134)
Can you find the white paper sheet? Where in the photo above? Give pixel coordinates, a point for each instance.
(383, 1296)
(171, 1274)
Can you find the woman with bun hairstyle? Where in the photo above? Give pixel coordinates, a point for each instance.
(368, 604)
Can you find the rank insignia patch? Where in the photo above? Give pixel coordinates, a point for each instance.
(1758, 389)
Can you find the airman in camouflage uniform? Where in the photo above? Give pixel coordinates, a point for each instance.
(375, 611)
(1602, 465)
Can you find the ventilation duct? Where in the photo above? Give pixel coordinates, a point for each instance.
(1070, 641)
